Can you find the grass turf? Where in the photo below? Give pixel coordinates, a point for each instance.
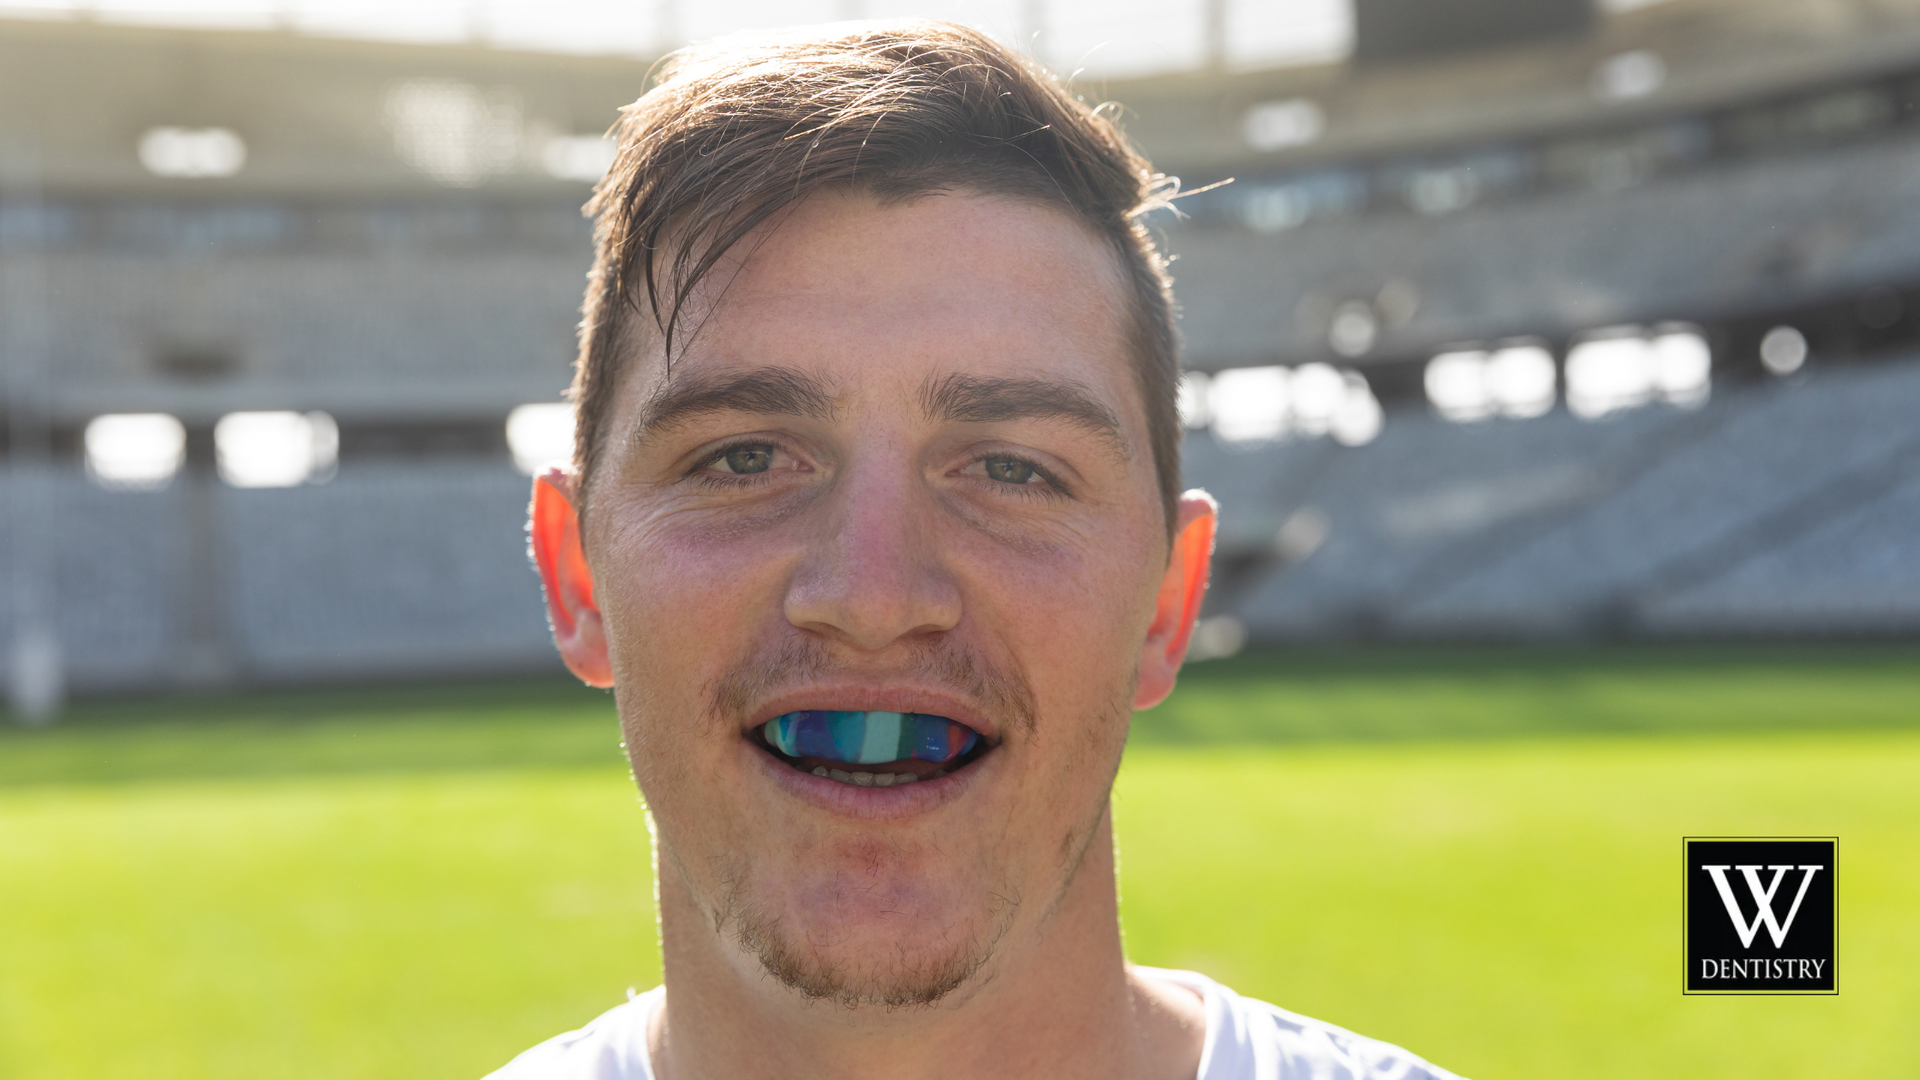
(1474, 853)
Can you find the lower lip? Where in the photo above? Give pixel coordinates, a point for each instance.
(879, 803)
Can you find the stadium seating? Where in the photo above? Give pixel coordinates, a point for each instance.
(1686, 245)
(389, 569)
(1786, 509)
(112, 589)
(403, 569)
(423, 328)
(1421, 503)
(1853, 574)
(1774, 509)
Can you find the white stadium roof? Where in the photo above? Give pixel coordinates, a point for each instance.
(1102, 37)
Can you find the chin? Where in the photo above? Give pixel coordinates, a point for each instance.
(874, 932)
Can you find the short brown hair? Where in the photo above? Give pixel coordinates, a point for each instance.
(737, 130)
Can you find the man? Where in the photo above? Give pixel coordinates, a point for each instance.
(875, 529)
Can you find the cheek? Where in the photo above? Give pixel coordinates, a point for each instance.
(682, 609)
(1081, 597)
(671, 592)
(1072, 617)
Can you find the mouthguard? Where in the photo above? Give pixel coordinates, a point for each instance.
(869, 738)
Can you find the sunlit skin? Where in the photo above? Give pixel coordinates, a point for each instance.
(847, 545)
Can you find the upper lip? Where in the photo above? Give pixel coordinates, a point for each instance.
(878, 697)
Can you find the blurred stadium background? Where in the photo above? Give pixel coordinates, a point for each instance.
(1518, 320)
(1560, 323)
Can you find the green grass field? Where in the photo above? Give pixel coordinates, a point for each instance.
(1474, 853)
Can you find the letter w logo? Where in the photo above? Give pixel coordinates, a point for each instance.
(1762, 898)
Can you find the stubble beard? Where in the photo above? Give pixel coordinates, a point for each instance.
(902, 980)
(898, 982)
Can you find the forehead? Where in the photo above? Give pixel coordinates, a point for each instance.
(946, 283)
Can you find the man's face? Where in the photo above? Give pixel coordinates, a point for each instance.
(901, 468)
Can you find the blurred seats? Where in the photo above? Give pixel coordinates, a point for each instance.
(1776, 509)
(411, 569)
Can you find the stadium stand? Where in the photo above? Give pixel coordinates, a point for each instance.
(402, 251)
(114, 556)
(371, 314)
(1771, 510)
(1420, 503)
(1708, 245)
(1851, 574)
(1767, 469)
(389, 569)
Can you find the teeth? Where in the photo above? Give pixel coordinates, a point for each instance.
(866, 779)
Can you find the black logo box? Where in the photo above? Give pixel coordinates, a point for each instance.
(1801, 961)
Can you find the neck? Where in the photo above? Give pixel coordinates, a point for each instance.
(1057, 1000)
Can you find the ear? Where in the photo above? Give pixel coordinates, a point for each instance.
(555, 530)
(1181, 591)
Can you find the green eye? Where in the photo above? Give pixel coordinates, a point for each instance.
(748, 459)
(1008, 470)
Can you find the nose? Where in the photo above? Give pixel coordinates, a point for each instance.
(873, 575)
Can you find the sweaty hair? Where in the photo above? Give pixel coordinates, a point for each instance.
(736, 131)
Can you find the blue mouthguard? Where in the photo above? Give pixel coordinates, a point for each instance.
(869, 737)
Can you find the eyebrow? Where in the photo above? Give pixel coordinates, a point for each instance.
(768, 391)
(975, 399)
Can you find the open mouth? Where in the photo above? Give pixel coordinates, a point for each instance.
(871, 748)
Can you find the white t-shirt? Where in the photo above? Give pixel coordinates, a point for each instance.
(1246, 1040)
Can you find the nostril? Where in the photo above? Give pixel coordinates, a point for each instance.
(874, 591)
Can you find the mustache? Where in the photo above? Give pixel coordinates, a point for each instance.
(1000, 692)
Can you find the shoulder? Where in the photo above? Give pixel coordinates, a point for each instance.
(1252, 1040)
(612, 1047)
